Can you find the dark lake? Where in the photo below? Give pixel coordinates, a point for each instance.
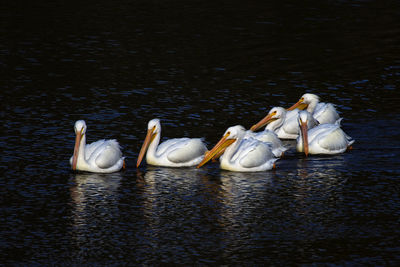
(200, 67)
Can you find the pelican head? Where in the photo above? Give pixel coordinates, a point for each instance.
(305, 101)
(80, 126)
(231, 135)
(80, 130)
(153, 128)
(276, 113)
(303, 121)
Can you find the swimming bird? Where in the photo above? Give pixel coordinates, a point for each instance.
(177, 152)
(325, 138)
(103, 156)
(243, 155)
(271, 137)
(283, 123)
(265, 136)
(322, 112)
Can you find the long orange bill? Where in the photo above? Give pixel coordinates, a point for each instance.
(221, 145)
(304, 133)
(300, 105)
(145, 146)
(267, 119)
(76, 149)
(219, 154)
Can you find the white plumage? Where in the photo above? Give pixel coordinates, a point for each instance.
(322, 112)
(177, 152)
(283, 123)
(323, 139)
(271, 137)
(103, 156)
(244, 155)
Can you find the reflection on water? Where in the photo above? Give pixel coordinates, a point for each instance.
(181, 209)
(200, 67)
(95, 213)
(195, 209)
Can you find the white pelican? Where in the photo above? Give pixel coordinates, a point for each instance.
(283, 123)
(325, 138)
(265, 136)
(322, 112)
(271, 137)
(103, 156)
(243, 155)
(177, 152)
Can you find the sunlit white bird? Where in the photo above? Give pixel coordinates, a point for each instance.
(243, 155)
(322, 112)
(283, 123)
(271, 137)
(325, 138)
(177, 152)
(103, 156)
(265, 136)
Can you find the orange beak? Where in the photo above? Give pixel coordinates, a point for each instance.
(304, 133)
(149, 138)
(219, 154)
(78, 139)
(300, 105)
(267, 119)
(216, 150)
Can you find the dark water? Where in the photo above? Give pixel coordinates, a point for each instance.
(199, 66)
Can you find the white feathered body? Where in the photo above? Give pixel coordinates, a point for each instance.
(290, 128)
(326, 139)
(270, 137)
(326, 113)
(103, 156)
(177, 152)
(250, 155)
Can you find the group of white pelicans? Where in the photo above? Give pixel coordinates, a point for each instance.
(315, 125)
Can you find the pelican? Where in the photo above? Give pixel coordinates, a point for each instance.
(283, 123)
(325, 138)
(243, 155)
(177, 152)
(270, 137)
(265, 136)
(322, 112)
(103, 156)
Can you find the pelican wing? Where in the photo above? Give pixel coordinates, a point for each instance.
(90, 148)
(321, 131)
(271, 137)
(332, 138)
(255, 153)
(186, 149)
(267, 136)
(290, 125)
(326, 113)
(170, 143)
(106, 155)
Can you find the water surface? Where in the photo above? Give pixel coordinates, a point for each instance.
(199, 66)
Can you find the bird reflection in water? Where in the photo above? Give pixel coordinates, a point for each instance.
(167, 186)
(317, 196)
(95, 206)
(181, 207)
(244, 192)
